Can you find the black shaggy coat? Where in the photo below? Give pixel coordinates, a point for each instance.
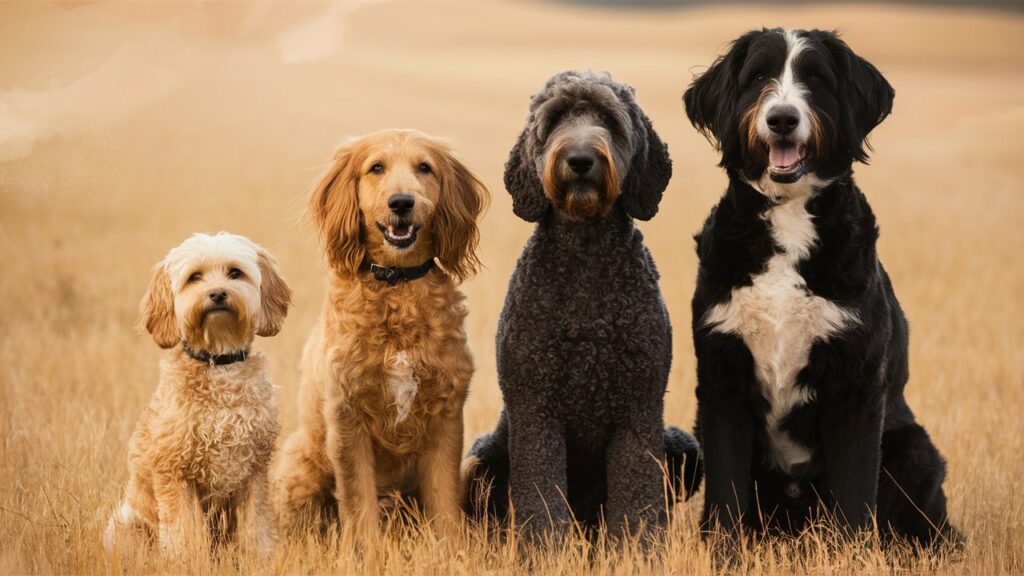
(584, 349)
(869, 447)
(867, 453)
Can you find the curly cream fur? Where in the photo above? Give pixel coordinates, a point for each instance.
(198, 458)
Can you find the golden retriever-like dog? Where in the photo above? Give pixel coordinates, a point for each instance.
(199, 455)
(386, 370)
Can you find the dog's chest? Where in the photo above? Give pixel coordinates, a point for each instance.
(403, 384)
(231, 433)
(405, 353)
(779, 320)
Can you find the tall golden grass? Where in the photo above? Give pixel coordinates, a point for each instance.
(126, 127)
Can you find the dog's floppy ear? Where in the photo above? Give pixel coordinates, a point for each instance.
(649, 172)
(275, 295)
(865, 95)
(522, 180)
(456, 234)
(334, 207)
(156, 311)
(711, 98)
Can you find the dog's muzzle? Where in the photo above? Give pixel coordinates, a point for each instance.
(218, 306)
(787, 157)
(581, 181)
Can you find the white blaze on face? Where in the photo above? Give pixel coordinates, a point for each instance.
(787, 91)
(787, 177)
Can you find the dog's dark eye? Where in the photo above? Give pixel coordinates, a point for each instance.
(759, 78)
(815, 78)
(234, 274)
(377, 168)
(195, 277)
(424, 168)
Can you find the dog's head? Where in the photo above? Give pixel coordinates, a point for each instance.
(586, 147)
(215, 292)
(399, 198)
(788, 105)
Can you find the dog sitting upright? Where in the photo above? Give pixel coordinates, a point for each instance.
(199, 455)
(801, 344)
(584, 344)
(386, 370)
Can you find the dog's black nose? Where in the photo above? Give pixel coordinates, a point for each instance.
(783, 119)
(218, 297)
(401, 204)
(580, 161)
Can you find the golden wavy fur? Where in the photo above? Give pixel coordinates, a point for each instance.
(199, 456)
(386, 370)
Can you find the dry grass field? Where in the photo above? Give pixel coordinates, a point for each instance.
(125, 127)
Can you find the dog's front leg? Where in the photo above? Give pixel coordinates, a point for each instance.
(538, 474)
(438, 470)
(635, 496)
(350, 450)
(256, 529)
(179, 513)
(727, 436)
(725, 421)
(851, 439)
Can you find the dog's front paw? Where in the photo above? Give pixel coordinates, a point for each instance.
(110, 536)
(172, 542)
(262, 546)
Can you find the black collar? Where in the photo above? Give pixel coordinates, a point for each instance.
(394, 274)
(215, 359)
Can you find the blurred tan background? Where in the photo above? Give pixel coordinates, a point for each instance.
(125, 127)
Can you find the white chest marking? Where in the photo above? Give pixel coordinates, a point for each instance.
(779, 320)
(403, 384)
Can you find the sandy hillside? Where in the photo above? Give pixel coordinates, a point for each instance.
(125, 127)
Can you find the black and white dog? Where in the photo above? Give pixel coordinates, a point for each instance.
(801, 344)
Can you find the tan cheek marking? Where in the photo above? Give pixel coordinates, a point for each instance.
(818, 138)
(550, 172)
(611, 176)
(755, 146)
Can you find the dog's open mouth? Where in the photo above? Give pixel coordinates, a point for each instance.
(787, 161)
(400, 235)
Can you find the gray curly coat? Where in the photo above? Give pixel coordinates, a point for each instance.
(584, 343)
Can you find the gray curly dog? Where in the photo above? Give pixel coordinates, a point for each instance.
(584, 343)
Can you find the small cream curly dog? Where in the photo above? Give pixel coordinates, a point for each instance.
(199, 455)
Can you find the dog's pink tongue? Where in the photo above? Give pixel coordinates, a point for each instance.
(783, 155)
